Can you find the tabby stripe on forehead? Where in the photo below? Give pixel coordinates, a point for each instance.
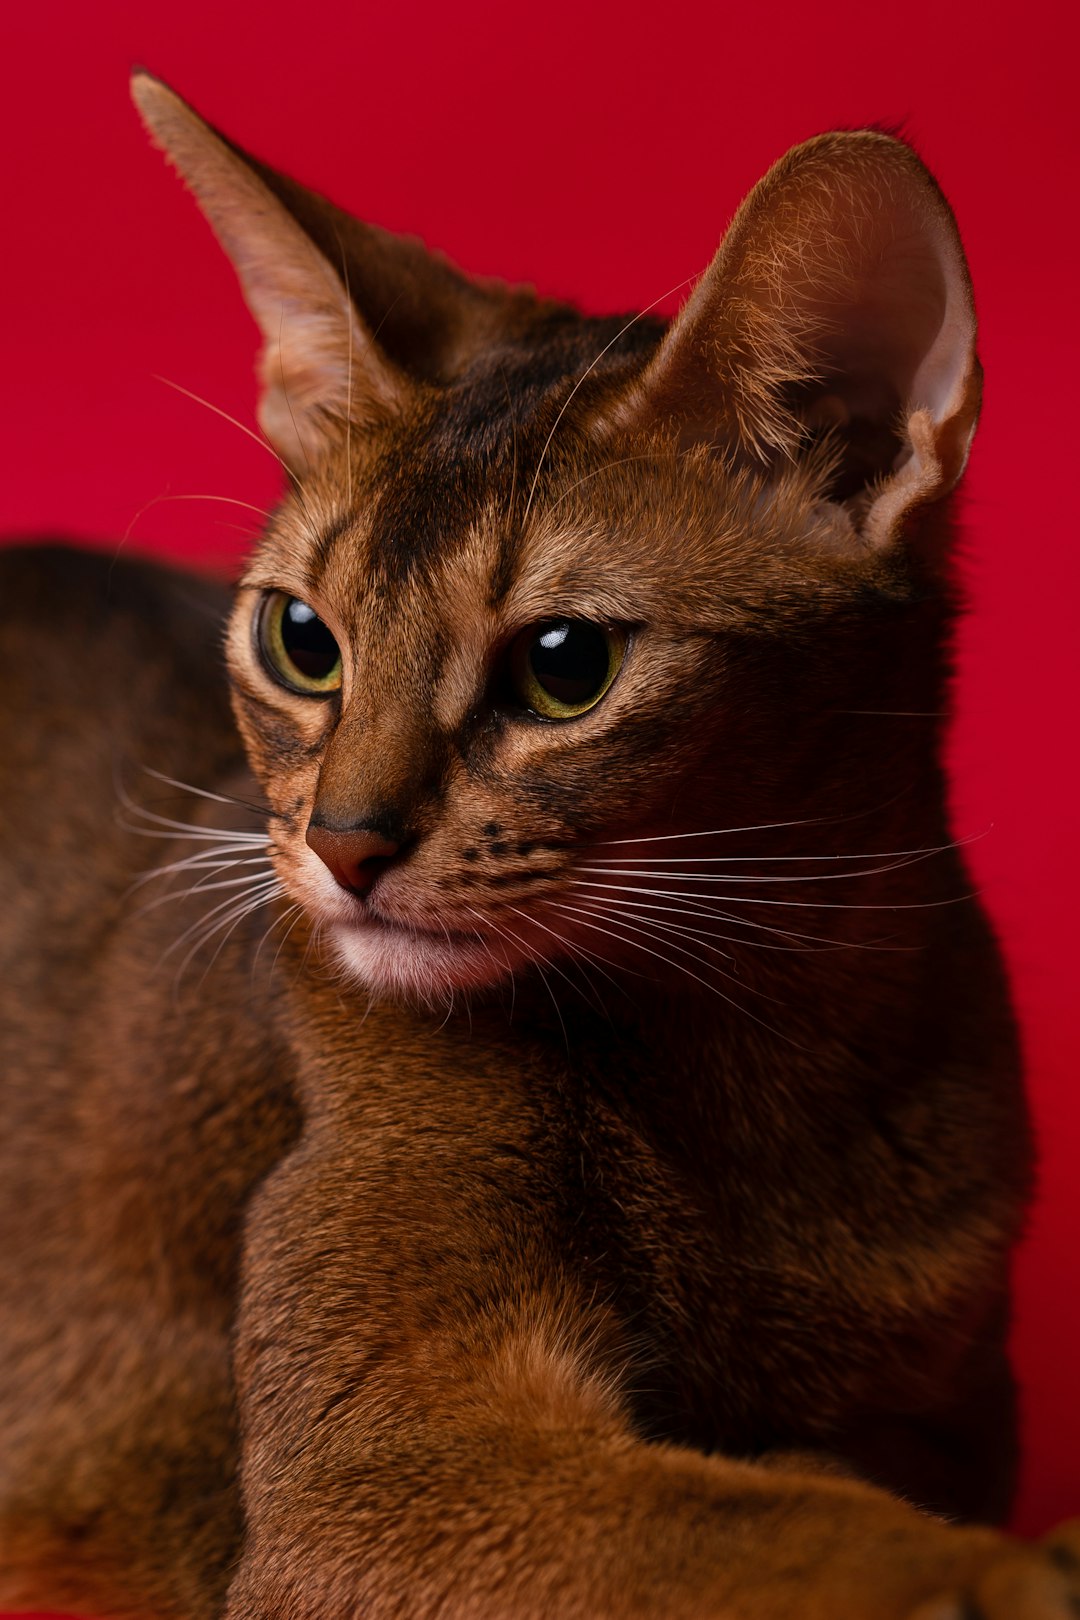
(324, 546)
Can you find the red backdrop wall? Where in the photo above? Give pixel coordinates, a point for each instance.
(597, 151)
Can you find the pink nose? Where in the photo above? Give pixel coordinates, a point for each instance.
(355, 855)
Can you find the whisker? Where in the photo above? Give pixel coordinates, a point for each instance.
(567, 945)
(714, 832)
(754, 860)
(712, 914)
(204, 793)
(229, 922)
(785, 878)
(609, 466)
(166, 499)
(706, 934)
(256, 438)
(194, 831)
(295, 911)
(761, 826)
(681, 966)
(538, 960)
(203, 887)
(655, 928)
(211, 860)
(800, 905)
(587, 373)
(261, 887)
(177, 831)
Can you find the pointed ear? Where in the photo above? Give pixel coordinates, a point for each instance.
(318, 361)
(838, 306)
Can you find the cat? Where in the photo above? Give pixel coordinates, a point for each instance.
(544, 1134)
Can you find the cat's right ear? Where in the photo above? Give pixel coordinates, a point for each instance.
(838, 315)
(320, 364)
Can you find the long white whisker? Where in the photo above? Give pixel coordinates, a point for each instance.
(708, 934)
(531, 953)
(203, 887)
(758, 900)
(563, 941)
(681, 966)
(597, 472)
(205, 793)
(229, 922)
(192, 834)
(701, 908)
(256, 438)
(295, 911)
(264, 887)
(568, 945)
(209, 860)
(783, 877)
(714, 832)
(761, 826)
(587, 373)
(754, 860)
(538, 960)
(663, 931)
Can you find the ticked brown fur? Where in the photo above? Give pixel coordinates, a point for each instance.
(609, 1214)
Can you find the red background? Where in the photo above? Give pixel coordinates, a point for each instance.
(598, 153)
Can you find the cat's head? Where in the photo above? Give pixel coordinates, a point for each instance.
(550, 594)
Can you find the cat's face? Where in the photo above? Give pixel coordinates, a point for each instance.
(520, 699)
(550, 595)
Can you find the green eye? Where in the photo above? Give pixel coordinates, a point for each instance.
(297, 647)
(563, 667)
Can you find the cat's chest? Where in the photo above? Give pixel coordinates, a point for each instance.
(775, 1288)
(771, 1273)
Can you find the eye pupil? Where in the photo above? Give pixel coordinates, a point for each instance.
(570, 661)
(307, 641)
(297, 646)
(562, 668)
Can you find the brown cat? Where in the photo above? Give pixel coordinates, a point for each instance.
(559, 1156)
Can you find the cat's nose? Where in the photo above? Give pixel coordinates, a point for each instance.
(354, 855)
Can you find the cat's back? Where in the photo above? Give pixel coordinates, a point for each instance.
(108, 668)
(112, 678)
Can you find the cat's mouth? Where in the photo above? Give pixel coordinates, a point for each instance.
(402, 957)
(399, 942)
(410, 932)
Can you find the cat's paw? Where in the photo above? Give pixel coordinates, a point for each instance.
(1040, 1582)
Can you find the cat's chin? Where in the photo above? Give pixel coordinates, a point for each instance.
(409, 964)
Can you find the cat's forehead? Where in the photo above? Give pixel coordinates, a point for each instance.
(395, 501)
(495, 494)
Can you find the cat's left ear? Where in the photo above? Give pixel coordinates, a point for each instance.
(353, 318)
(318, 363)
(839, 304)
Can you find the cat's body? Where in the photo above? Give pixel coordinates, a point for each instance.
(530, 1288)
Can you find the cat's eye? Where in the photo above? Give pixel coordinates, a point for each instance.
(563, 667)
(296, 645)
